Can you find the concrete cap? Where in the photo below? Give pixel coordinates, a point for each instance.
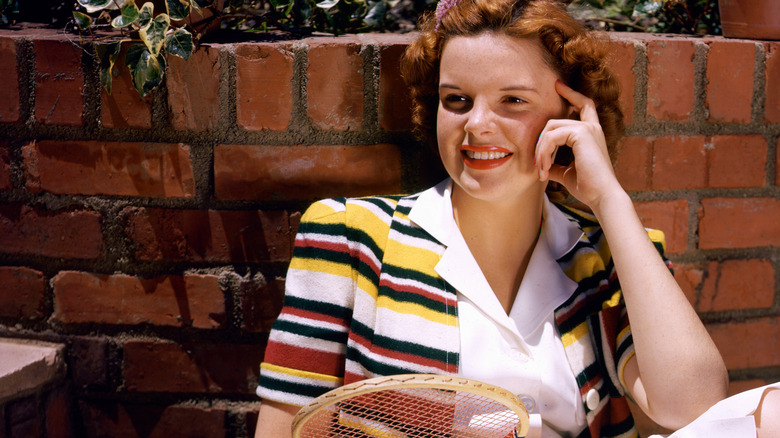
(26, 365)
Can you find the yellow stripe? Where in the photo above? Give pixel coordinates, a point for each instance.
(658, 237)
(417, 310)
(584, 266)
(575, 335)
(320, 265)
(301, 374)
(613, 301)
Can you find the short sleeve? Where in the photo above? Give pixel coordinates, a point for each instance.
(306, 349)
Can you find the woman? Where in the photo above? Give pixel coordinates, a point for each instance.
(482, 275)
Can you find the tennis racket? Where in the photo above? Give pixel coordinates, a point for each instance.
(413, 406)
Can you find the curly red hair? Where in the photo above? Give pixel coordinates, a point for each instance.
(579, 56)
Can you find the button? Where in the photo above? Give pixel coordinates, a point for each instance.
(592, 399)
(528, 401)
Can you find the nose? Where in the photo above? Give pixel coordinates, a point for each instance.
(480, 119)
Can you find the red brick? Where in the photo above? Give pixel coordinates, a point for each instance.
(264, 98)
(689, 276)
(57, 416)
(261, 302)
(777, 163)
(305, 172)
(622, 62)
(335, 85)
(394, 98)
(124, 107)
(22, 418)
(211, 236)
(738, 222)
(5, 166)
(181, 301)
(191, 368)
(634, 162)
(22, 293)
(88, 361)
(59, 82)
(730, 67)
(671, 217)
(736, 161)
(772, 84)
(670, 79)
(737, 284)
(67, 233)
(679, 162)
(108, 419)
(752, 343)
(9, 86)
(159, 170)
(193, 90)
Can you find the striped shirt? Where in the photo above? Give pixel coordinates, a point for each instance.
(363, 300)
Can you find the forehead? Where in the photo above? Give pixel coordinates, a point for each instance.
(489, 57)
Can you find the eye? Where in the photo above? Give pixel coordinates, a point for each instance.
(456, 102)
(514, 100)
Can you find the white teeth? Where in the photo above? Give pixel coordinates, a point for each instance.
(485, 155)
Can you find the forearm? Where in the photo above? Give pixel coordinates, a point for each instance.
(680, 370)
(275, 420)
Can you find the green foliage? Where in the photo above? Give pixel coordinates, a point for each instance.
(148, 37)
(659, 16)
(8, 10)
(151, 34)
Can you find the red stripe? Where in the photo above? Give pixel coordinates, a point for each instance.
(298, 358)
(412, 290)
(342, 247)
(396, 355)
(309, 242)
(313, 316)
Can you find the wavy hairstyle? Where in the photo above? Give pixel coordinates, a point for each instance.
(579, 56)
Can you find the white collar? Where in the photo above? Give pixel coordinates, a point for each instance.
(433, 213)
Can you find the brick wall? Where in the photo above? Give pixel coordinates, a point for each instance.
(152, 235)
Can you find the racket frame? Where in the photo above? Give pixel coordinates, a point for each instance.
(401, 381)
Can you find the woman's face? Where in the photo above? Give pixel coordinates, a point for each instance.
(496, 93)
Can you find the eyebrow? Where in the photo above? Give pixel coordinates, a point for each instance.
(510, 88)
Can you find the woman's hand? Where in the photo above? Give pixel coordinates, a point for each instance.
(590, 176)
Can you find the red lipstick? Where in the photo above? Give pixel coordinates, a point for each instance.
(484, 164)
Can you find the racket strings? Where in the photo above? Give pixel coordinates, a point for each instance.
(414, 413)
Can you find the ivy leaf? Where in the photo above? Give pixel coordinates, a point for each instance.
(97, 5)
(107, 54)
(83, 21)
(178, 9)
(180, 43)
(154, 33)
(376, 15)
(129, 14)
(145, 15)
(327, 4)
(146, 69)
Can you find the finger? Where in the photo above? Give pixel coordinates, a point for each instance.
(565, 175)
(545, 154)
(580, 102)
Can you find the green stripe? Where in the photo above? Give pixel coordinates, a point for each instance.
(322, 307)
(292, 387)
(405, 347)
(311, 332)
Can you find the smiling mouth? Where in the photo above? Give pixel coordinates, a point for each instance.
(484, 158)
(474, 155)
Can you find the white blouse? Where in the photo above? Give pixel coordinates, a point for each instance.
(521, 352)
